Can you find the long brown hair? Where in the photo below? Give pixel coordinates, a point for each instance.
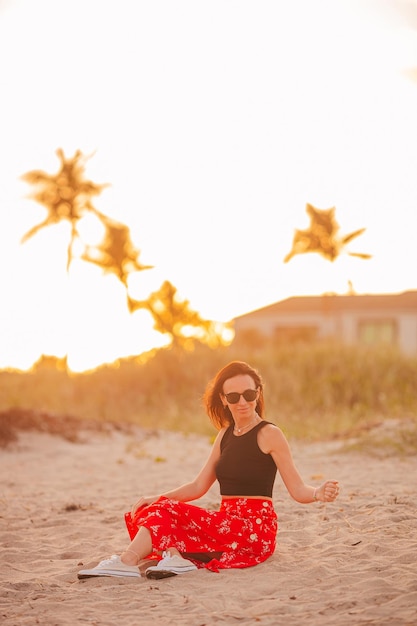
(220, 415)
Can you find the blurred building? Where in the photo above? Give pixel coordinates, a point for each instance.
(365, 319)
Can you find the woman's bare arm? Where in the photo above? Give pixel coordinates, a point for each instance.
(194, 489)
(272, 441)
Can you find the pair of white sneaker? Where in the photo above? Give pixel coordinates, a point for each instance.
(167, 566)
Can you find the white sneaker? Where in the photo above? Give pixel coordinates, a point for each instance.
(170, 566)
(110, 567)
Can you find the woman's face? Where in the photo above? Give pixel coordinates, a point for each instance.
(244, 409)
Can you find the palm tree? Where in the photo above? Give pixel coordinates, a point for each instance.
(322, 236)
(116, 254)
(175, 318)
(66, 195)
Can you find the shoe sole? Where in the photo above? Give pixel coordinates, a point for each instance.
(158, 573)
(117, 574)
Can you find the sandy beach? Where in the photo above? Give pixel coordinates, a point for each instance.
(62, 504)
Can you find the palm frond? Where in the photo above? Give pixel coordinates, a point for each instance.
(360, 255)
(35, 229)
(347, 238)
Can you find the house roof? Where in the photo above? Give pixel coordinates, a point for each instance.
(405, 301)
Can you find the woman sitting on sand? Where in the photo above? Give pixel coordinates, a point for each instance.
(244, 459)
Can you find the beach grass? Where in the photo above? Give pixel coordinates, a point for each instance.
(312, 391)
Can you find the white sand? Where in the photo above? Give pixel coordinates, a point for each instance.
(352, 562)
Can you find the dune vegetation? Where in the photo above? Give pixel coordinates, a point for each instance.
(313, 392)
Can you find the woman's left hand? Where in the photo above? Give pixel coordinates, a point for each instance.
(328, 491)
(143, 501)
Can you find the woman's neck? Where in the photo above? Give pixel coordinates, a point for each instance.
(244, 427)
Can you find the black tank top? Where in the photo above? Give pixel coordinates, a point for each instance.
(243, 469)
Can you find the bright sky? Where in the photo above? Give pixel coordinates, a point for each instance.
(215, 123)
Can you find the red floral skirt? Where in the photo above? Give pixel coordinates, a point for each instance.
(242, 533)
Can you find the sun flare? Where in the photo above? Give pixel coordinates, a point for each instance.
(213, 133)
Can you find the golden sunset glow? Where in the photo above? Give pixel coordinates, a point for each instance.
(214, 124)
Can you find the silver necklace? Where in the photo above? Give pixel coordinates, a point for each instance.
(239, 430)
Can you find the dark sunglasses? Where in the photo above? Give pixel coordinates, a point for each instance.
(233, 397)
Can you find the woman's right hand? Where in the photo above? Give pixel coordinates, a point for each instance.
(143, 501)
